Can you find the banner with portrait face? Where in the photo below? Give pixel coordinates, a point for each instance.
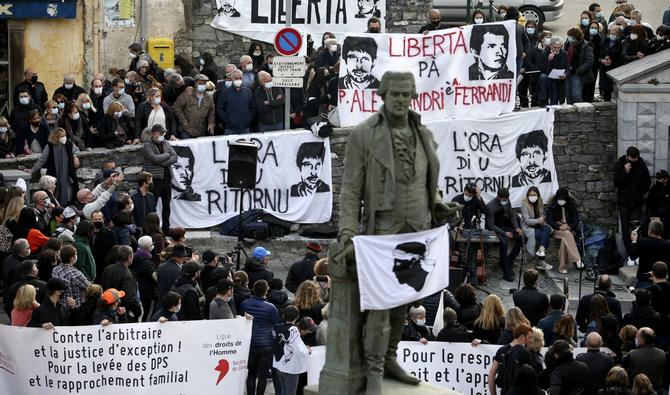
(463, 72)
(262, 19)
(513, 151)
(293, 179)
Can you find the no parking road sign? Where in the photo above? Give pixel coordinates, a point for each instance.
(288, 41)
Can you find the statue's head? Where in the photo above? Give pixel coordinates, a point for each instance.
(397, 89)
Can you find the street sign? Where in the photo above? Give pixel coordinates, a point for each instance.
(288, 41)
(287, 82)
(288, 66)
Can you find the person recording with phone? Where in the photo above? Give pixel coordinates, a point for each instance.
(473, 208)
(649, 250)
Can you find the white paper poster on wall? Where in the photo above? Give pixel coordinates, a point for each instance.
(190, 357)
(513, 151)
(261, 19)
(468, 71)
(293, 179)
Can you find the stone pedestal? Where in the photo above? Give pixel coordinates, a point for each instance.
(392, 387)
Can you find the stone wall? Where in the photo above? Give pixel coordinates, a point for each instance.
(584, 151)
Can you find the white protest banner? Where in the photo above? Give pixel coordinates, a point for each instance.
(261, 19)
(293, 179)
(469, 71)
(188, 357)
(513, 151)
(457, 366)
(398, 269)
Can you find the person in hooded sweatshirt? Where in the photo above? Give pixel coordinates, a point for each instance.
(256, 266)
(277, 296)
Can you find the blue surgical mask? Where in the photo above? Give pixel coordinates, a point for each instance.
(228, 83)
(467, 198)
(530, 30)
(593, 31)
(585, 22)
(201, 88)
(613, 37)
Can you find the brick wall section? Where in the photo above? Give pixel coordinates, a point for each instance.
(584, 152)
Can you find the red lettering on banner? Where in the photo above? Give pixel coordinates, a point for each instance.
(428, 45)
(428, 101)
(494, 92)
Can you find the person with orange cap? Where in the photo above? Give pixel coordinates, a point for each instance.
(108, 310)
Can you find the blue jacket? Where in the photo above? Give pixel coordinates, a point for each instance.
(666, 17)
(265, 317)
(236, 108)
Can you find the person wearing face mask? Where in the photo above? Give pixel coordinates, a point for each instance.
(257, 57)
(317, 94)
(237, 106)
(646, 359)
(415, 328)
(116, 128)
(18, 118)
(535, 226)
(661, 41)
(69, 89)
(563, 217)
(502, 220)
(195, 110)
(596, 41)
(596, 10)
(502, 12)
(97, 96)
(580, 61)
(329, 56)
(88, 112)
(6, 139)
(154, 111)
(158, 159)
(33, 86)
(135, 86)
(374, 25)
(531, 65)
(51, 113)
(478, 17)
(42, 206)
(144, 201)
(585, 19)
(102, 241)
(248, 72)
(473, 208)
(119, 95)
(171, 303)
(76, 126)
(611, 57)
(32, 137)
(269, 63)
(635, 45)
(434, 22)
(269, 103)
(311, 51)
(145, 273)
(134, 52)
(61, 158)
(144, 76)
(522, 41)
(636, 20)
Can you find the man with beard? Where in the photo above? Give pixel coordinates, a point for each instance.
(489, 46)
(227, 7)
(531, 151)
(359, 54)
(435, 22)
(183, 174)
(310, 160)
(368, 8)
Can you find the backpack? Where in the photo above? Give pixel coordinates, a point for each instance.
(5, 239)
(282, 335)
(508, 369)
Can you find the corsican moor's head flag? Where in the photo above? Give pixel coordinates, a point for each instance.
(399, 269)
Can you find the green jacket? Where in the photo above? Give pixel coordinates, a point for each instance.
(85, 261)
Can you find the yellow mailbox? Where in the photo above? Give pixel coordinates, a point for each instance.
(161, 51)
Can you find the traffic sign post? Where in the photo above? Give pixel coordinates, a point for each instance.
(288, 71)
(288, 41)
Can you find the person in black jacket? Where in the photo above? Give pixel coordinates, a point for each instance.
(269, 104)
(648, 250)
(256, 266)
(551, 90)
(144, 271)
(116, 128)
(596, 41)
(603, 288)
(453, 331)
(109, 309)
(505, 224)
(610, 57)
(69, 89)
(658, 200)
(303, 270)
(208, 66)
(599, 362)
(632, 181)
(563, 217)
(101, 242)
(415, 326)
(642, 314)
(118, 276)
(533, 303)
(472, 211)
(660, 301)
(36, 89)
(51, 312)
(7, 146)
(580, 59)
(155, 111)
(32, 136)
(25, 274)
(635, 45)
(76, 126)
(185, 286)
(569, 376)
(531, 66)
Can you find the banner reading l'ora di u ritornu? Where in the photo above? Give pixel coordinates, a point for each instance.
(463, 72)
(262, 19)
(399, 269)
(190, 357)
(513, 151)
(293, 178)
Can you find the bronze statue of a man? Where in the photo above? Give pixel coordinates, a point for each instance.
(390, 172)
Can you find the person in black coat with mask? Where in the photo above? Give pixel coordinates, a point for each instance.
(569, 376)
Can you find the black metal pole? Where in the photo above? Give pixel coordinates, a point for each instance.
(239, 231)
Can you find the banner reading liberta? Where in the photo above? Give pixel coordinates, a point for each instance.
(463, 72)
(293, 179)
(261, 19)
(513, 151)
(204, 357)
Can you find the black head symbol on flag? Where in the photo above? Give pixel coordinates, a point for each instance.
(407, 260)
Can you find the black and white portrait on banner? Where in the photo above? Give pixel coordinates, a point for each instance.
(288, 161)
(489, 45)
(401, 268)
(309, 161)
(513, 151)
(227, 8)
(359, 55)
(182, 174)
(463, 72)
(531, 151)
(368, 9)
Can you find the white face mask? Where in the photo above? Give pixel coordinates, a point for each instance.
(479, 21)
(131, 207)
(237, 83)
(202, 62)
(24, 100)
(68, 86)
(503, 15)
(86, 106)
(269, 66)
(97, 91)
(333, 48)
(160, 138)
(3, 130)
(75, 116)
(127, 81)
(54, 110)
(633, 36)
(228, 83)
(532, 199)
(257, 53)
(122, 91)
(585, 22)
(467, 198)
(504, 202)
(269, 85)
(132, 55)
(201, 88)
(61, 105)
(62, 140)
(118, 114)
(593, 32)
(546, 41)
(157, 100)
(599, 14)
(421, 322)
(249, 67)
(530, 30)
(561, 202)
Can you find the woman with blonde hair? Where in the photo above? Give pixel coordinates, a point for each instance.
(642, 385)
(61, 158)
(308, 301)
(535, 226)
(6, 139)
(48, 185)
(322, 331)
(535, 349)
(491, 320)
(513, 317)
(24, 304)
(155, 111)
(88, 112)
(12, 213)
(51, 113)
(116, 128)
